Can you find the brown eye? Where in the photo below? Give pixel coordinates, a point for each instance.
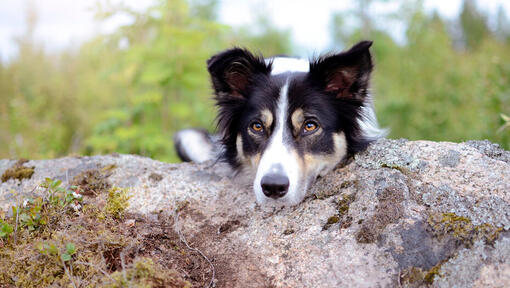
(257, 127)
(310, 126)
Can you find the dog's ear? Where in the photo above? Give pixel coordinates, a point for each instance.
(346, 75)
(232, 71)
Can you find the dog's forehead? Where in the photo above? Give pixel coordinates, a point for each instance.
(285, 90)
(285, 72)
(287, 64)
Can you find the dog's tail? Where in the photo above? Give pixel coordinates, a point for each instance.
(196, 145)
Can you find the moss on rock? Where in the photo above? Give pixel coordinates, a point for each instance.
(462, 229)
(145, 273)
(18, 171)
(117, 202)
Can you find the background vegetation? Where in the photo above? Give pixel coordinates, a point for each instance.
(129, 91)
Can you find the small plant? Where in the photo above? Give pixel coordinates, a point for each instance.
(69, 252)
(60, 196)
(35, 212)
(30, 214)
(51, 249)
(5, 229)
(506, 119)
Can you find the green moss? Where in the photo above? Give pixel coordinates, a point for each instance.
(117, 202)
(145, 273)
(85, 246)
(51, 237)
(417, 277)
(41, 253)
(487, 232)
(411, 275)
(108, 167)
(333, 220)
(429, 276)
(403, 170)
(462, 229)
(18, 171)
(341, 215)
(344, 203)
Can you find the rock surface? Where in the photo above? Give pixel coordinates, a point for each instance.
(402, 213)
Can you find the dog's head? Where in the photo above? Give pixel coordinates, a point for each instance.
(291, 122)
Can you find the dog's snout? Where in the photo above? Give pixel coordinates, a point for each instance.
(274, 185)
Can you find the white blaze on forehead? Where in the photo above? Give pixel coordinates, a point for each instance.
(287, 64)
(278, 157)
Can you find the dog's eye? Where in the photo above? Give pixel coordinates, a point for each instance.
(310, 126)
(257, 127)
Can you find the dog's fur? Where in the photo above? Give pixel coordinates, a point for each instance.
(287, 120)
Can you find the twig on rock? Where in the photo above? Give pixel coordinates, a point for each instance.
(177, 229)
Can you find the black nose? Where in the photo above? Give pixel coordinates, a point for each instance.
(274, 185)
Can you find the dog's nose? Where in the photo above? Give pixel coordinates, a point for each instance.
(274, 185)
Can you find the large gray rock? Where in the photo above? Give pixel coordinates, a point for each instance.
(409, 213)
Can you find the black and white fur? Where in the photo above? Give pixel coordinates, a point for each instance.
(286, 120)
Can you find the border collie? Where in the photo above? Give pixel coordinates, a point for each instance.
(286, 120)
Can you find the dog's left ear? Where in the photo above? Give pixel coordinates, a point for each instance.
(346, 75)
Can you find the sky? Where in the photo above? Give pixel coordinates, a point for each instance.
(65, 24)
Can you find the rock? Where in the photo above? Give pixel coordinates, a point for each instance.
(408, 213)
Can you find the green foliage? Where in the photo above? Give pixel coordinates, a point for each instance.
(35, 213)
(473, 24)
(5, 229)
(51, 249)
(506, 125)
(129, 91)
(429, 89)
(59, 196)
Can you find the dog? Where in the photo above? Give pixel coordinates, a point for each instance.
(286, 120)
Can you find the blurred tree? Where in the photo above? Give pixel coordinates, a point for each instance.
(426, 89)
(204, 9)
(361, 18)
(473, 23)
(265, 39)
(166, 83)
(502, 25)
(35, 98)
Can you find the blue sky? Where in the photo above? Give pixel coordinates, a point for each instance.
(63, 23)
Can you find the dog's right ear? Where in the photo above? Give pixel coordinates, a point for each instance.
(232, 71)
